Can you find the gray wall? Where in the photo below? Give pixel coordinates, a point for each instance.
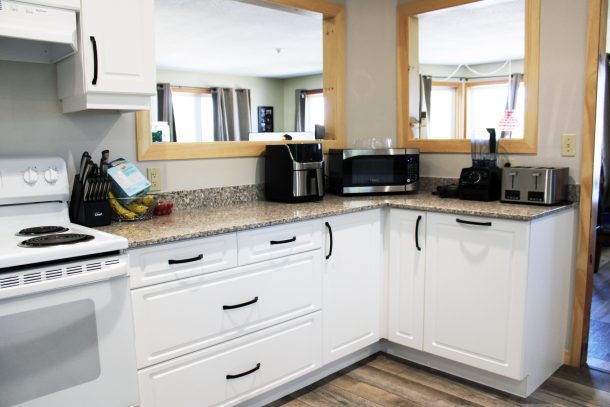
(31, 121)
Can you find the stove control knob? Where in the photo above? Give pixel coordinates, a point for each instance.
(30, 176)
(51, 175)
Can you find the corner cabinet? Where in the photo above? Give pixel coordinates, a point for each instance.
(114, 67)
(351, 283)
(407, 239)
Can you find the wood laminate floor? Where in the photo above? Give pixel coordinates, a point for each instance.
(382, 380)
(598, 356)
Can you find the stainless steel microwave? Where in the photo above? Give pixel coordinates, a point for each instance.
(373, 171)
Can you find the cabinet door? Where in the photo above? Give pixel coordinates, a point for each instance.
(351, 283)
(407, 234)
(123, 44)
(476, 275)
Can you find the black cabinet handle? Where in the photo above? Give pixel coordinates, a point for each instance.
(237, 376)
(330, 233)
(94, 44)
(468, 222)
(186, 260)
(292, 239)
(243, 304)
(417, 233)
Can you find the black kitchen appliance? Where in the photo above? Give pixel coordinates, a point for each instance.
(373, 171)
(294, 172)
(482, 181)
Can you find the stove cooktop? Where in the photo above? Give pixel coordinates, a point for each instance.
(41, 230)
(55, 240)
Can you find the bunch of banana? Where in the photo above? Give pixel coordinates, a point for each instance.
(120, 209)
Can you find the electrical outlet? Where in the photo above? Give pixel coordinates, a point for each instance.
(154, 176)
(568, 145)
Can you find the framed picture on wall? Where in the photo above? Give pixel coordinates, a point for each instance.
(265, 119)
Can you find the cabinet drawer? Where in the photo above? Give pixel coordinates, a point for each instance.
(279, 354)
(183, 316)
(278, 241)
(172, 261)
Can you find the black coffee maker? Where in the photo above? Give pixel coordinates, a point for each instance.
(294, 172)
(482, 181)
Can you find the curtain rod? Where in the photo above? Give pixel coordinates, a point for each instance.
(467, 79)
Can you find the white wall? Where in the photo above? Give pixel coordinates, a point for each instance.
(31, 121)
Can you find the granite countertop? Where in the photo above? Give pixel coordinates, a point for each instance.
(207, 221)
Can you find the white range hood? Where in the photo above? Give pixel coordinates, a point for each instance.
(42, 31)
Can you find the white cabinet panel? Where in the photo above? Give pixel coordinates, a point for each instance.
(351, 296)
(183, 316)
(273, 356)
(172, 261)
(123, 32)
(407, 239)
(114, 67)
(278, 241)
(476, 278)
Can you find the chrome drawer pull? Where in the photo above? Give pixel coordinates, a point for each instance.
(237, 376)
(244, 304)
(468, 222)
(293, 239)
(200, 257)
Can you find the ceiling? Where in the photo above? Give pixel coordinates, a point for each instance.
(476, 33)
(237, 38)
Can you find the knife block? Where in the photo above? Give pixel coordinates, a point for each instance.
(88, 213)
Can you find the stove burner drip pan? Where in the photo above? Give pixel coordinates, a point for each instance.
(55, 240)
(41, 230)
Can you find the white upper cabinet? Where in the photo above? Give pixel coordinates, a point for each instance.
(115, 65)
(476, 284)
(407, 238)
(351, 297)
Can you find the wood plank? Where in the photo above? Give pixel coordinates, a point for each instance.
(406, 388)
(434, 380)
(575, 392)
(589, 185)
(328, 396)
(372, 393)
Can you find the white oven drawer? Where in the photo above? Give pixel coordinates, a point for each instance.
(183, 316)
(172, 261)
(264, 360)
(278, 241)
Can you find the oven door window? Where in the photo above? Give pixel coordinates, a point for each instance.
(46, 350)
(370, 170)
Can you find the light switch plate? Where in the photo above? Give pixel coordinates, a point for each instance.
(568, 145)
(154, 176)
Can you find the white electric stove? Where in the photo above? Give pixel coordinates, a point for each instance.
(66, 328)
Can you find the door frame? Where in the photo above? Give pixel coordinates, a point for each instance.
(593, 120)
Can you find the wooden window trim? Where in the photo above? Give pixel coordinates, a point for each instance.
(186, 89)
(405, 137)
(333, 78)
(314, 92)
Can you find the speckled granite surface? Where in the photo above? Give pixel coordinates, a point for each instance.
(206, 221)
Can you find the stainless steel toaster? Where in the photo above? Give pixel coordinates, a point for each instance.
(535, 185)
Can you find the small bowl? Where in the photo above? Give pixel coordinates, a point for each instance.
(130, 209)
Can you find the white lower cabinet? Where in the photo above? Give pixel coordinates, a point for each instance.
(351, 294)
(182, 316)
(407, 239)
(237, 370)
(476, 282)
